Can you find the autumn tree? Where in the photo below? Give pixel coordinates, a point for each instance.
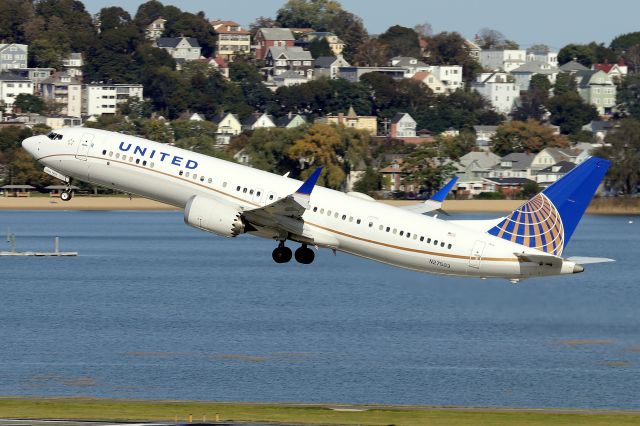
(622, 147)
(525, 136)
(372, 53)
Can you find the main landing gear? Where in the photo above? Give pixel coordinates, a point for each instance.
(282, 254)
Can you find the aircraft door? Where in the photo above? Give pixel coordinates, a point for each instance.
(476, 254)
(86, 142)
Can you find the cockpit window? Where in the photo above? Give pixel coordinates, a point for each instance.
(54, 136)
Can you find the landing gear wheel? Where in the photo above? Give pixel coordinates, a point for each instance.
(281, 254)
(66, 195)
(305, 255)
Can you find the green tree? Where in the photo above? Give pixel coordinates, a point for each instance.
(579, 52)
(451, 49)
(532, 102)
(45, 53)
(402, 41)
(307, 14)
(525, 136)
(350, 29)
(494, 39)
(113, 17)
(454, 147)
(570, 112)
(269, 148)
(148, 12)
(623, 149)
(320, 47)
(250, 80)
(565, 83)
(370, 181)
(372, 53)
(67, 22)
(628, 95)
(13, 15)
(530, 189)
(183, 129)
(427, 168)
(624, 42)
(29, 103)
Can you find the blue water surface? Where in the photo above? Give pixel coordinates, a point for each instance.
(154, 309)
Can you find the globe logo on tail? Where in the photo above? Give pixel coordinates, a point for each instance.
(536, 224)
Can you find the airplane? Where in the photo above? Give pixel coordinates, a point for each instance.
(230, 199)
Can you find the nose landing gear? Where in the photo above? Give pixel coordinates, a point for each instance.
(66, 195)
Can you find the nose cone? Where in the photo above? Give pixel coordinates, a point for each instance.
(31, 145)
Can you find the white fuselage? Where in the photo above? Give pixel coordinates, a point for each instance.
(336, 220)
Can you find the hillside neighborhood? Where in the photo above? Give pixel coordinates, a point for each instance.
(393, 115)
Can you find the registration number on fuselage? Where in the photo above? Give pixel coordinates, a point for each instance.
(439, 264)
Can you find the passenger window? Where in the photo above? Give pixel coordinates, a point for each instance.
(442, 244)
(315, 209)
(195, 176)
(137, 161)
(271, 197)
(344, 217)
(209, 180)
(224, 185)
(428, 240)
(144, 163)
(358, 221)
(395, 230)
(238, 188)
(449, 246)
(328, 212)
(408, 234)
(421, 238)
(435, 242)
(186, 174)
(380, 228)
(181, 172)
(258, 194)
(321, 211)
(117, 155)
(131, 159)
(151, 165)
(415, 236)
(350, 218)
(201, 178)
(104, 152)
(244, 190)
(110, 153)
(336, 215)
(251, 191)
(401, 233)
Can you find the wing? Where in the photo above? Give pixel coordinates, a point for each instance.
(433, 203)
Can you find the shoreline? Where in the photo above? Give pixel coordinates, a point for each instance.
(609, 206)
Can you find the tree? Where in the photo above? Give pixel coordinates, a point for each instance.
(45, 53)
(570, 112)
(578, 52)
(402, 41)
(451, 49)
(632, 58)
(372, 53)
(624, 42)
(525, 136)
(370, 181)
(320, 47)
(494, 39)
(565, 83)
(269, 149)
(532, 102)
(530, 189)
(454, 147)
(628, 95)
(427, 168)
(622, 147)
(350, 29)
(307, 14)
(184, 129)
(67, 22)
(13, 15)
(29, 103)
(261, 22)
(423, 30)
(148, 12)
(541, 49)
(112, 18)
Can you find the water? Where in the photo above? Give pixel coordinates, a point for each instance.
(154, 309)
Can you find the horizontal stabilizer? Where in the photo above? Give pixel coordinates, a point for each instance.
(581, 260)
(547, 259)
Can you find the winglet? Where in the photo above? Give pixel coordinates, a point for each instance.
(442, 193)
(308, 184)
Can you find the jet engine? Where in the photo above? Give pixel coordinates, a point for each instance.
(213, 216)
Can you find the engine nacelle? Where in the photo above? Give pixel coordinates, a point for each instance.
(213, 216)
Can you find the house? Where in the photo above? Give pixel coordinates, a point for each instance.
(267, 38)
(281, 59)
(484, 135)
(351, 119)
(65, 90)
(499, 88)
(335, 44)
(228, 125)
(412, 65)
(510, 187)
(218, 63)
(182, 49)
(525, 72)
(597, 88)
(73, 64)
(393, 176)
(291, 121)
(101, 98)
(449, 75)
(36, 75)
(615, 71)
(402, 126)
(431, 81)
(243, 157)
(550, 156)
(61, 121)
(231, 39)
(472, 168)
(516, 164)
(502, 59)
(548, 175)
(549, 58)
(353, 74)
(573, 66)
(12, 85)
(13, 56)
(473, 48)
(154, 30)
(289, 78)
(599, 128)
(257, 121)
(328, 66)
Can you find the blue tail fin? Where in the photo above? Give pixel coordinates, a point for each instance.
(546, 222)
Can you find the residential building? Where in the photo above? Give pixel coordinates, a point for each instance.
(36, 75)
(218, 63)
(473, 167)
(449, 75)
(431, 81)
(257, 121)
(154, 30)
(499, 89)
(73, 64)
(402, 126)
(351, 119)
(502, 59)
(412, 65)
(353, 74)
(289, 78)
(54, 121)
(13, 56)
(228, 125)
(514, 165)
(599, 128)
(231, 39)
(12, 85)
(182, 49)
(267, 38)
(281, 59)
(65, 90)
(473, 48)
(550, 156)
(615, 71)
(549, 58)
(101, 98)
(484, 135)
(328, 66)
(548, 175)
(597, 88)
(394, 175)
(291, 121)
(335, 44)
(510, 187)
(573, 66)
(525, 72)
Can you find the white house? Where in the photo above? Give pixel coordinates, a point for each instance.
(99, 98)
(155, 29)
(11, 86)
(431, 81)
(499, 88)
(289, 78)
(228, 125)
(549, 58)
(328, 66)
(550, 156)
(484, 135)
(502, 59)
(182, 49)
(231, 39)
(525, 72)
(291, 121)
(257, 121)
(412, 65)
(472, 169)
(73, 64)
(403, 126)
(449, 75)
(514, 165)
(65, 90)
